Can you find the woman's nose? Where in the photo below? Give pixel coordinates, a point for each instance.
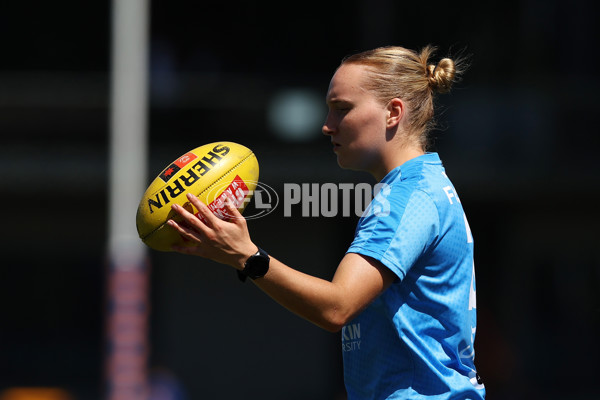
(327, 128)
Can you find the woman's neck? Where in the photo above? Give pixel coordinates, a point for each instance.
(393, 157)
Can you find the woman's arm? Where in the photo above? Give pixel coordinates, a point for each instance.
(358, 280)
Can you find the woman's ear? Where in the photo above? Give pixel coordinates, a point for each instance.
(395, 110)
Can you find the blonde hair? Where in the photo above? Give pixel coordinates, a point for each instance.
(396, 72)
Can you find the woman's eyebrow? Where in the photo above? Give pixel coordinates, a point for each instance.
(335, 101)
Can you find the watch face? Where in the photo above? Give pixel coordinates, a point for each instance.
(257, 265)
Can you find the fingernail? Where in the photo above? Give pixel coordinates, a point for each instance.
(189, 196)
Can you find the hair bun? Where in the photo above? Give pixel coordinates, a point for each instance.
(441, 76)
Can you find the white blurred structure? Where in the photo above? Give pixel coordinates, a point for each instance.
(128, 269)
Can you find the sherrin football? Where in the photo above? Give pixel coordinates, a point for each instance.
(212, 172)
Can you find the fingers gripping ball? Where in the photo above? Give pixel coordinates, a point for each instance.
(211, 172)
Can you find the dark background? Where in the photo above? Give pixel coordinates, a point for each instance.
(519, 140)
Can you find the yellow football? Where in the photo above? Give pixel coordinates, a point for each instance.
(212, 172)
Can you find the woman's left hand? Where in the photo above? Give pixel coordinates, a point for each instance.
(224, 241)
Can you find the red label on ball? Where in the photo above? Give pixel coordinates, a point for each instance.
(236, 191)
(185, 159)
(176, 166)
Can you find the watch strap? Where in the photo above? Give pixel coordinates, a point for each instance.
(241, 276)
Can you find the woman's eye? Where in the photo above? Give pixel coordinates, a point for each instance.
(340, 108)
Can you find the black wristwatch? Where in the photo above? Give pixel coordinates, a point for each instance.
(256, 266)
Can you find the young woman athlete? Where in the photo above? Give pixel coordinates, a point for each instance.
(403, 295)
